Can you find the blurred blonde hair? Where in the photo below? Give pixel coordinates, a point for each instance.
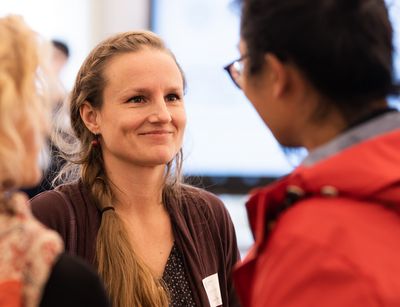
(24, 90)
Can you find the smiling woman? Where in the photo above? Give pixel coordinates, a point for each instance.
(154, 240)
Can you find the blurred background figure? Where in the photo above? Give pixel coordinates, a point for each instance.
(33, 269)
(319, 73)
(60, 55)
(50, 160)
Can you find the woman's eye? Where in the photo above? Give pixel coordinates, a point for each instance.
(172, 97)
(137, 99)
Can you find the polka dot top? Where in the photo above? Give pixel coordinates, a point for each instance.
(176, 280)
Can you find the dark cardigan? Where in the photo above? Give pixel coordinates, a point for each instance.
(202, 228)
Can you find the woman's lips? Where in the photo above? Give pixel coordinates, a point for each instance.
(156, 132)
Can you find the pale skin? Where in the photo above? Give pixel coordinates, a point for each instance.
(141, 124)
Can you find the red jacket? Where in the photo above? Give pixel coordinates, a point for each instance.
(339, 242)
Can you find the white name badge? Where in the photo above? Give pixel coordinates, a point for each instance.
(211, 284)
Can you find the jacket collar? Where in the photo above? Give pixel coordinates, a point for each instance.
(367, 171)
(388, 120)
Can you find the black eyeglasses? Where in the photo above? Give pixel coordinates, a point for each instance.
(235, 71)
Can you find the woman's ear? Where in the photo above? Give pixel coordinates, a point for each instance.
(90, 117)
(279, 75)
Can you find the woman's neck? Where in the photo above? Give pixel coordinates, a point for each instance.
(136, 188)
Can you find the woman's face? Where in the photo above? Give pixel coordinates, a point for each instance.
(142, 119)
(258, 89)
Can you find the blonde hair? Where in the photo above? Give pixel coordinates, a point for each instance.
(24, 93)
(128, 280)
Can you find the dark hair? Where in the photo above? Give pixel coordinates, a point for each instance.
(343, 47)
(61, 46)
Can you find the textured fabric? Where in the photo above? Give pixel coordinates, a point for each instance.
(176, 281)
(328, 235)
(202, 229)
(28, 252)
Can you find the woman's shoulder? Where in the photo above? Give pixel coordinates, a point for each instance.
(56, 199)
(206, 205)
(55, 208)
(51, 202)
(201, 198)
(29, 251)
(27, 234)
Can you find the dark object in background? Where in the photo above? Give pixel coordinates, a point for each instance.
(56, 163)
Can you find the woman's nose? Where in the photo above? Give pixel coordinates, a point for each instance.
(160, 112)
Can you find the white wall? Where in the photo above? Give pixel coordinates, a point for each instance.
(111, 16)
(80, 23)
(107, 17)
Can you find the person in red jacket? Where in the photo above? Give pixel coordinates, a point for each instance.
(318, 73)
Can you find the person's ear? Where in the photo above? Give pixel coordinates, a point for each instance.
(278, 74)
(90, 117)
